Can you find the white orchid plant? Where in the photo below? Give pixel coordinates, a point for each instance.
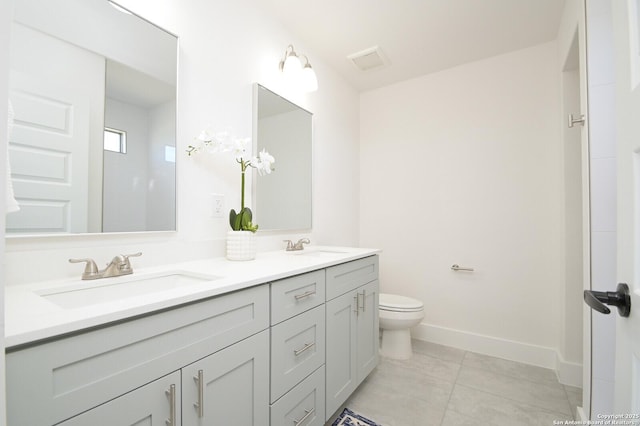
(222, 142)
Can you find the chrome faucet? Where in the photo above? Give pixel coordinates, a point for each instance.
(297, 246)
(119, 265)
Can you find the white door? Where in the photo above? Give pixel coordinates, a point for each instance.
(55, 89)
(626, 22)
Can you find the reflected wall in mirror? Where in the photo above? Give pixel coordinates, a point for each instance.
(80, 70)
(283, 202)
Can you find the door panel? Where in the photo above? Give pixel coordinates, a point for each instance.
(626, 24)
(50, 143)
(235, 387)
(368, 330)
(341, 350)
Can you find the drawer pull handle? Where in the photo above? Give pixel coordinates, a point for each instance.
(200, 404)
(305, 348)
(307, 413)
(305, 294)
(364, 299)
(171, 393)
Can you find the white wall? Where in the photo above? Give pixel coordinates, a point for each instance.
(139, 186)
(161, 211)
(124, 205)
(291, 147)
(224, 48)
(572, 25)
(464, 166)
(570, 343)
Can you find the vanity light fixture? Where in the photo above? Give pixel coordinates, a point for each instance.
(292, 68)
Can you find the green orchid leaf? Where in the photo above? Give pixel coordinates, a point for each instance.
(232, 219)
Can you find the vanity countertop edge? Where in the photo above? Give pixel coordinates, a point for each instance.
(30, 318)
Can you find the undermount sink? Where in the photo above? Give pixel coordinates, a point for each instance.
(87, 293)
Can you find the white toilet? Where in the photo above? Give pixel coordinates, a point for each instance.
(397, 315)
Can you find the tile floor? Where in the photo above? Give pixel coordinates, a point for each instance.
(443, 386)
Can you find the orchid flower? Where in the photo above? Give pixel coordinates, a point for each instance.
(222, 142)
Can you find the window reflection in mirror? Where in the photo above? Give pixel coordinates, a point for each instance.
(283, 202)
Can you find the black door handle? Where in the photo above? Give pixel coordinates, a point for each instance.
(619, 298)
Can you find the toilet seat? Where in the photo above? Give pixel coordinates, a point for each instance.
(396, 303)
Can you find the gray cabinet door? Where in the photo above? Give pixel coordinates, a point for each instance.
(368, 330)
(235, 386)
(341, 372)
(155, 404)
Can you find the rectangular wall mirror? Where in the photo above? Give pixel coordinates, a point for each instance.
(93, 90)
(282, 200)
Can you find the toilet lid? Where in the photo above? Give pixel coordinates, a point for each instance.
(393, 302)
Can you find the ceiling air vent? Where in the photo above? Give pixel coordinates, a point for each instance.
(368, 59)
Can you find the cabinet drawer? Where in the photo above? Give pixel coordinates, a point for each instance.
(351, 275)
(302, 405)
(292, 296)
(297, 349)
(73, 374)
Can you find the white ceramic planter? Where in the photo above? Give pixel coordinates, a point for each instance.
(241, 245)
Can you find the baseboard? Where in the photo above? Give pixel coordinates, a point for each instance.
(568, 373)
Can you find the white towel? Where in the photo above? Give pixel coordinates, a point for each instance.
(11, 203)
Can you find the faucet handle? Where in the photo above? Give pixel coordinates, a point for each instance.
(90, 269)
(299, 246)
(125, 258)
(289, 244)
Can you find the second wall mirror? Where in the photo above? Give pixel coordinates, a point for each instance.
(283, 202)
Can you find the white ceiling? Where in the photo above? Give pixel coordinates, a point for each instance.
(417, 36)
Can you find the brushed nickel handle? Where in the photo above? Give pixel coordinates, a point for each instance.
(456, 267)
(572, 121)
(303, 349)
(171, 393)
(305, 294)
(138, 254)
(364, 299)
(200, 404)
(307, 413)
(90, 270)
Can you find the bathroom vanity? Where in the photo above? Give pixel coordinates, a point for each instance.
(284, 339)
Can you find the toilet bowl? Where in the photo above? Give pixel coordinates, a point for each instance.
(397, 315)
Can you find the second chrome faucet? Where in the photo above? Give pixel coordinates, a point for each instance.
(119, 265)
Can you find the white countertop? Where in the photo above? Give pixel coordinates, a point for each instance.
(30, 317)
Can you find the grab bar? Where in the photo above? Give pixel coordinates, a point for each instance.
(456, 267)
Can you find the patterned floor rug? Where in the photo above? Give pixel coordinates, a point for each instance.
(349, 418)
